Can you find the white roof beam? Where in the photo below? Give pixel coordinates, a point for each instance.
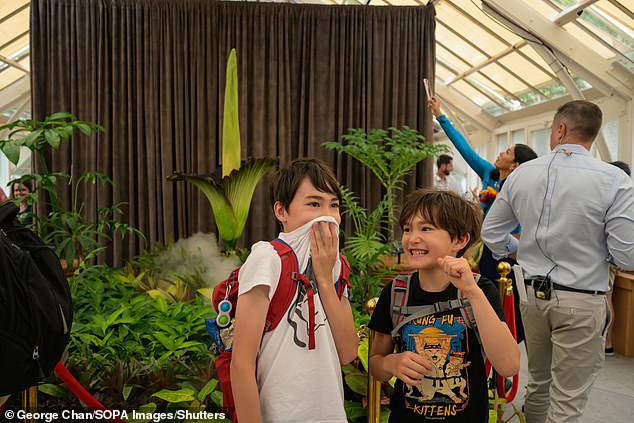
(623, 9)
(16, 89)
(571, 14)
(14, 12)
(568, 47)
(485, 54)
(465, 106)
(488, 61)
(575, 92)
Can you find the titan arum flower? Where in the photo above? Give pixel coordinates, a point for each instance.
(230, 197)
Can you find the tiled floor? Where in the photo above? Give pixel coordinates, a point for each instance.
(612, 396)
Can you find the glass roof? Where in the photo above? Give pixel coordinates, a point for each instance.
(479, 59)
(14, 59)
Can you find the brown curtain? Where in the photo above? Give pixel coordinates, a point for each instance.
(153, 71)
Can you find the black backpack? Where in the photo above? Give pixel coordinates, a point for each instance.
(36, 309)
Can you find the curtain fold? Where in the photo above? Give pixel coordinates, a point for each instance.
(152, 72)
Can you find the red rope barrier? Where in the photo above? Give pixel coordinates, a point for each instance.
(509, 313)
(80, 391)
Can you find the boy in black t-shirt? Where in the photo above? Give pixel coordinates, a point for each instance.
(439, 363)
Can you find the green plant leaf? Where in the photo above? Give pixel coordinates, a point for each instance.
(61, 116)
(358, 383)
(126, 391)
(84, 128)
(30, 140)
(52, 138)
(207, 389)
(216, 397)
(181, 395)
(230, 123)
(354, 409)
(12, 151)
(53, 390)
(362, 353)
(385, 415)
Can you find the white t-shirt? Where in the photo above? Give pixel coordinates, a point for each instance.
(448, 184)
(296, 384)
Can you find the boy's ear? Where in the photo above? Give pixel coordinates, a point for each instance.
(460, 242)
(280, 212)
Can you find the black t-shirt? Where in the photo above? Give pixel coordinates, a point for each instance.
(455, 391)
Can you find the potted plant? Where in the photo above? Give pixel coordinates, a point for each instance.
(75, 236)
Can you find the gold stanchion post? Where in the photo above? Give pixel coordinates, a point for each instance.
(29, 402)
(374, 386)
(506, 285)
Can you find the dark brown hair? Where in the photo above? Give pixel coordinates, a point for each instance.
(287, 180)
(582, 118)
(27, 183)
(445, 210)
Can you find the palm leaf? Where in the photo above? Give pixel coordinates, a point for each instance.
(230, 125)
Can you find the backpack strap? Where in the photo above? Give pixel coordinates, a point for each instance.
(426, 310)
(399, 295)
(467, 311)
(285, 291)
(403, 314)
(344, 276)
(290, 277)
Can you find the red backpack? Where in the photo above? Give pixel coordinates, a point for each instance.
(227, 292)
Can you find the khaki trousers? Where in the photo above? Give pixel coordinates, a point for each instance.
(565, 339)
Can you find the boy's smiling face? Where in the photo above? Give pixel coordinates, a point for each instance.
(307, 204)
(424, 243)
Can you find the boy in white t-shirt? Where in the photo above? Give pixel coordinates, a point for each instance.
(291, 382)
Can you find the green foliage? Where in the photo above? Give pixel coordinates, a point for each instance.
(390, 155)
(128, 347)
(74, 235)
(177, 271)
(365, 248)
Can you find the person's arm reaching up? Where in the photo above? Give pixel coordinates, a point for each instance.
(480, 166)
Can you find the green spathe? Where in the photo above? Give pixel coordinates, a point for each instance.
(230, 124)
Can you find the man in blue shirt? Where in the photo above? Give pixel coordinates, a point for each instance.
(577, 216)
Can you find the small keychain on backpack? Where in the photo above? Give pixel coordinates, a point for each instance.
(224, 309)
